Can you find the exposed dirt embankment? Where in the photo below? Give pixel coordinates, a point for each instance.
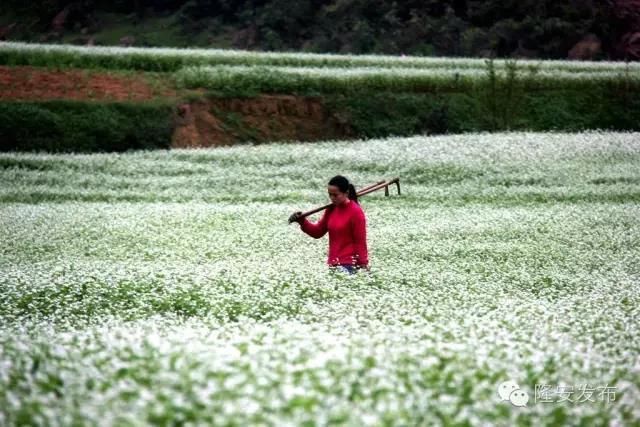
(203, 122)
(225, 121)
(41, 84)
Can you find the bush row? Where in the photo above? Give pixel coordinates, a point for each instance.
(71, 126)
(386, 113)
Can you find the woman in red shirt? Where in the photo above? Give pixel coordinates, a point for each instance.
(347, 226)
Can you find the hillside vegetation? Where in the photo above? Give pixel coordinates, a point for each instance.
(73, 98)
(546, 29)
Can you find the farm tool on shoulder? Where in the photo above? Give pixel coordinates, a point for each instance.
(364, 191)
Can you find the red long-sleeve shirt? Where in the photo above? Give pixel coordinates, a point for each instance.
(347, 227)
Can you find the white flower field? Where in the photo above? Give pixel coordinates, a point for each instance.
(172, 59)
(167, 288)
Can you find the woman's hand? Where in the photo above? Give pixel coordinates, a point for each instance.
(296, 217)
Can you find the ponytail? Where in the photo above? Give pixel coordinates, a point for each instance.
(352, 193)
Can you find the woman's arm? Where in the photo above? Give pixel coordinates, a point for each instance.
(360, 238)
(318, 229)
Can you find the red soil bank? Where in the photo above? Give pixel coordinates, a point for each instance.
(39, 84)
(201, 123)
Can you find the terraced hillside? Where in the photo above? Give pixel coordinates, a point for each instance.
(69, 98)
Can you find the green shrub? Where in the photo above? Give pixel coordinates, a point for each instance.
(71, 126)
(383, 114)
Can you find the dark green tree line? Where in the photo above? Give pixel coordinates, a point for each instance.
(505, 28)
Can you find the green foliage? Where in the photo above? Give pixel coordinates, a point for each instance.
(501, 98)
(385, 114)
(600, 108)
(375, 96)
(65, 126)
(173, 59)
(497, 86)
(544, 29)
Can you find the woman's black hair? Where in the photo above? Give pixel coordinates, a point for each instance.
(345, 186)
